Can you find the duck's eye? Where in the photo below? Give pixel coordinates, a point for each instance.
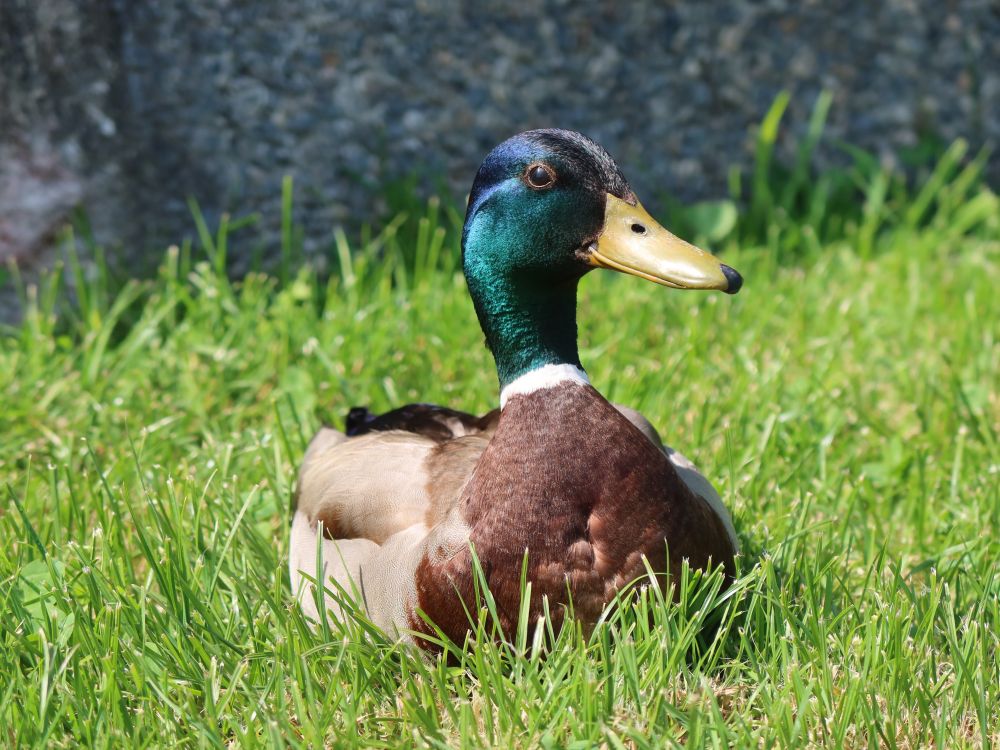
(540, 176)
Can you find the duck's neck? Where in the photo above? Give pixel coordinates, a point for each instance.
(529, 325)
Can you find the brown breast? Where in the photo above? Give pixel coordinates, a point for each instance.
(571, 481)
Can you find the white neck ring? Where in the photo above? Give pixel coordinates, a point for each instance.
(546, 376)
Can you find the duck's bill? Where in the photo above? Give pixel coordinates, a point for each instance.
(634, 242)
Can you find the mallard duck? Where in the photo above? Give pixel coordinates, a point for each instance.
(584, 488)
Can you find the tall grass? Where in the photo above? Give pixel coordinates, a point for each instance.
(845, 405)
(796, 210)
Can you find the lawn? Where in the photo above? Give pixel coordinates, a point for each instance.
(845, 404)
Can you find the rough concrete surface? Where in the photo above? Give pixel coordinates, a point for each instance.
(128, 108)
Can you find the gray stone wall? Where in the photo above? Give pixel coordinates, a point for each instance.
(126, 108)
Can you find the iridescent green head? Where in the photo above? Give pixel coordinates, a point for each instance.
(546, 207)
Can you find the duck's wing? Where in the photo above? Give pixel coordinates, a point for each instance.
(368, 505)
(686, 470)
(439, 423)
(371, 505)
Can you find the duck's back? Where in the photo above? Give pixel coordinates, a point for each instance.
(584, 486)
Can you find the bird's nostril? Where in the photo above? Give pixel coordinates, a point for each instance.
(638, 228)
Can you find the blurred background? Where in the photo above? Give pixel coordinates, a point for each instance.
(124, 112)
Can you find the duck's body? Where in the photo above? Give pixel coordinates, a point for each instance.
(582, 489)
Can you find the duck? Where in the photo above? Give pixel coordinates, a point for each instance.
(393, 511)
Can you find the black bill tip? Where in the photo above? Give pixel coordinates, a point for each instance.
(733, 277)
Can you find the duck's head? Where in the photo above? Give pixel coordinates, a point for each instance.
(546, 207)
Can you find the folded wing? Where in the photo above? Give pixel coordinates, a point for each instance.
(371, 504)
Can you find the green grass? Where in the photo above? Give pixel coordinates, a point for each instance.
(845, 404)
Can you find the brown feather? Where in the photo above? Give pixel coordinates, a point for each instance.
(438, 423)
(572, 482)
(449, 468)
(585, 486)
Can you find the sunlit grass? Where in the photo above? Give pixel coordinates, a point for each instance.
(845, 404)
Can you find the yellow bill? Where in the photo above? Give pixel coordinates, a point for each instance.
(634, 242)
